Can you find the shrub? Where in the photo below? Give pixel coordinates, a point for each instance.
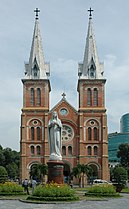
(3, 174)
(10, 188)
(52, 198)
(120, 176)
(53, 191)
(102, 190)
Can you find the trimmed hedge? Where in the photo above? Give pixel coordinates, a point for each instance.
(105, 190)
(52, 198)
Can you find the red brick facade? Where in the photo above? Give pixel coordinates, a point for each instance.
(87, 141)
(93, 127)
(84, 134)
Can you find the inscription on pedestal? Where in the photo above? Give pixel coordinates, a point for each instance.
(56, 173)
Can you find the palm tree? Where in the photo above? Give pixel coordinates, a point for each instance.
(88, 171)
(38, 171)
(83, 170)
(44, 171)
(79, 172)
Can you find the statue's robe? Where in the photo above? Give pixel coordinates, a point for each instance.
(55, 139)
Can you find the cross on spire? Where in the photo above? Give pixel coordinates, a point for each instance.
(90, 11)
(63, 95)
(36, 13)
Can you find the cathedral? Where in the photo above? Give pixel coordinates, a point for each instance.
(84, 132)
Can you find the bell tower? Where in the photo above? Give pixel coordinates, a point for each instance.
(34, 117)
(93, 144)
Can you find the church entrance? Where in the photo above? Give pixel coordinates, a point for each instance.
(95, 174)
(66, 173)
(38, 172)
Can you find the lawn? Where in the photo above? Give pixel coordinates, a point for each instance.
(126, 190)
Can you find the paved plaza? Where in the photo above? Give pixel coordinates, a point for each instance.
(116, 203)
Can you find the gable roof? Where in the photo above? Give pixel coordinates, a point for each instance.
(63, 100)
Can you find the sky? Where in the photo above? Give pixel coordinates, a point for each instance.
(63, 26)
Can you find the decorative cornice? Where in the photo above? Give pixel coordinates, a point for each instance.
(91, 81)
(34, 109)
(42, 82)
(92, 110)
(34, 80)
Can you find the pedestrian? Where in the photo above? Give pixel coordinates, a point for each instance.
(34, 183)
(25, 185)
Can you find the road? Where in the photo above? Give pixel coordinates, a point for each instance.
(115, 203)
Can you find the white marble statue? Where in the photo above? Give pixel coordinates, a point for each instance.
(55, 139)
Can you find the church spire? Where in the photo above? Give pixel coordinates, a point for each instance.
(91, 68)
(37, 68)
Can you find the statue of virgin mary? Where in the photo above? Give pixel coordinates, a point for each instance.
(54, 136)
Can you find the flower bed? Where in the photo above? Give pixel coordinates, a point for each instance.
(53, 192)
(102, 190)
(10, 188)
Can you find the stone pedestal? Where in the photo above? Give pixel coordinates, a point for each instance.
(55, 172)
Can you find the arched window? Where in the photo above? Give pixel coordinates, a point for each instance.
(38, 96)
(38, 133)
(32, 133)
(32, 150)
(95, 133)
(95, 96)
(89, 97)
(95, 150)
(38, 150)
(92, 72)
(35, 71)
(89, 133)
(63, 150)
(32, 96)
(89, 150)
(70, 150)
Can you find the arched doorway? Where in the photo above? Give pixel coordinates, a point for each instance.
(95, 174)
(34, 171)
(66, 172)
(38, 172)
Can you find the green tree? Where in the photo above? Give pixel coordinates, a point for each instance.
(10, 160)
(16, 157)
(119, 175)
(123, 154)
(3, 174)
(44, 171)
(13, 171)
(8, 156)
(76, 171)
(2, 157)
(80, 171)
(38, 171)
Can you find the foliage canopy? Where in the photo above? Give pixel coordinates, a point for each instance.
(10, 160)
(123, 154)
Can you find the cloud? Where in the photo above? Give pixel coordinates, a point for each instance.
(64, 79)
(10, 105)
(117, 90)
(63, 28)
